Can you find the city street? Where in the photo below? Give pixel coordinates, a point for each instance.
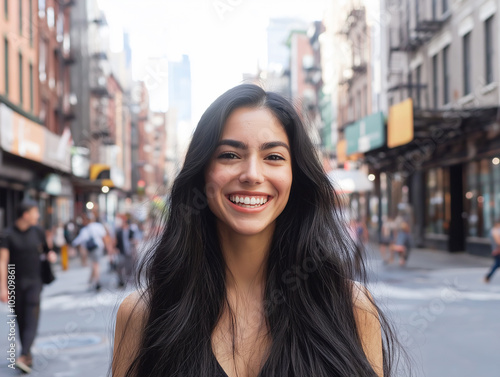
(446, 317)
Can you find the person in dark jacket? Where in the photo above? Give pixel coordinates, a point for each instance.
(126, 243)
(22, 247)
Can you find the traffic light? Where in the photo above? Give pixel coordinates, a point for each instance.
(141, 187)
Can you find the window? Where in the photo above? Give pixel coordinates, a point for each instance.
(359, 106)
(32, 101)
(485, 200)
(445, 6)
(410, 85)
(482, 196)
(6, 64)
(418, 74)
(471, 202)
(41, 8)
(438, 192)
(42, 60)
(488, 47)
(434, 9)
(435, 81)
(352, 108)
(446, 75)
(21, 17)
(466, 63)
(365, 90)
(43, 112)
(31, 21)
(50, 17)
(20, 79)
(6, 8)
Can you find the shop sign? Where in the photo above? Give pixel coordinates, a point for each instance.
(366, 134)
(21, 136)
(25, 138)
(400, 124)
(57, 151)
(341, 151)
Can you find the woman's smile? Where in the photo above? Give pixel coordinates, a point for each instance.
(244, 201)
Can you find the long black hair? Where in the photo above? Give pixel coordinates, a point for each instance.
(308, 299)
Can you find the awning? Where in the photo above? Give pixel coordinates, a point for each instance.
(349, 181)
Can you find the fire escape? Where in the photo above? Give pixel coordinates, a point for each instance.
(407, 35)
(99, 72)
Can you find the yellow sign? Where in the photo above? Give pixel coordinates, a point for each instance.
(341, 151)
(400, 124)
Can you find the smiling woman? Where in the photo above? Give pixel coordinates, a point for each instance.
(253, 274)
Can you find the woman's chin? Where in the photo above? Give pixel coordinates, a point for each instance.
(248, 228)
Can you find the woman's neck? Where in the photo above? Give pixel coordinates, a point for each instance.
(245, 257)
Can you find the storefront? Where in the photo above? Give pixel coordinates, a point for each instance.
(35, 164)
(482, 198)
(450, 171)
(361, 137)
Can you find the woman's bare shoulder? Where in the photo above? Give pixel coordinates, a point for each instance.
(129, 327)
(362, 299)
(368, 326)
(133, 303)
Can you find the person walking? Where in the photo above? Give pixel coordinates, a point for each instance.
(495, 249)
(402, 245)
(93, 238)
(386, 239)
(126, 243)
(23, 246)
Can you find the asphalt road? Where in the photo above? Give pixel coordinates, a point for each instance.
(446, 317)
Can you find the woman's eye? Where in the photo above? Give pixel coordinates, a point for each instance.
(228, 156)
(275, 157)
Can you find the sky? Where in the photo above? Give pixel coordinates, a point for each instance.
(223, 38)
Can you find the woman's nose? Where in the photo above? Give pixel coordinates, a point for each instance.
(251, 172)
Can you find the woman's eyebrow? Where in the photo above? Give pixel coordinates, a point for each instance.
(274, 144)
(264, 146)
(233, 143)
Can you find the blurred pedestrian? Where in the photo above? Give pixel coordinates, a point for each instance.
(402, 245)
(127, 237)
(23, 246)
(495, 249)
(386, 239)
(93, 238)
(60, 246)
(70, 233)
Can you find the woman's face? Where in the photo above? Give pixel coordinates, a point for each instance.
(249, 176)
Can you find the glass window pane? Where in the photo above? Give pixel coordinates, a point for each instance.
(471, 199)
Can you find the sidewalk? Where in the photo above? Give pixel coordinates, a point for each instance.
(436, 259)
(428, 269)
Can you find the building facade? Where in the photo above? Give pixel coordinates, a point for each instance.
(440, 167)
(35, 109)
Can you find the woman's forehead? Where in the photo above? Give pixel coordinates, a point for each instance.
(257, 124)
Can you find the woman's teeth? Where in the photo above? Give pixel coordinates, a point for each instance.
(248, 201)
